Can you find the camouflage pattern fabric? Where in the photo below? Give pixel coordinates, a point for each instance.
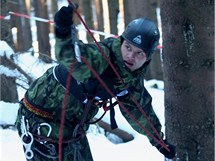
(42, 152)
(47, 94)
(133, 80)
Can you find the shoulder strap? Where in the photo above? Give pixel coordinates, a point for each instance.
(76, 88)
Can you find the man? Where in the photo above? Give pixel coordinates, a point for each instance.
(40, 112)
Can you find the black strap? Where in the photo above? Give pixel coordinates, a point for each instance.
(97, 120)
(76, 88)
(112, 116)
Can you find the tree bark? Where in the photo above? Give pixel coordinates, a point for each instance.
(5, 33)
(99, 16)
(8, 92)
(188, 54)
(43, 31)
(113, 6)
(53, 10)
(86, 9)
(24, 36)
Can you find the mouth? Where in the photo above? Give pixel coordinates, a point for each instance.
(128, 64)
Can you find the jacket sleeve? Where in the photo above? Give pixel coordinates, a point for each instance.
(65, 54)
(142, 96)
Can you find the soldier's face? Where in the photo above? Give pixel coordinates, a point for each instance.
(133, 56)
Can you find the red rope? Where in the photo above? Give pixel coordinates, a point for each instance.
(91, 34)
(117, 74)
(161, 142)
(63, 114)
(120, 104)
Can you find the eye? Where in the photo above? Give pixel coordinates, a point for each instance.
(141, 54)
(128, 47)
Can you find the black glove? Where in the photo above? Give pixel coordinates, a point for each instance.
(63, 21)
(168, 154)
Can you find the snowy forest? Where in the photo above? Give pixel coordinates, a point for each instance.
(183, 63)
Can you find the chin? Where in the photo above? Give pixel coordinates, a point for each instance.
(131, 69)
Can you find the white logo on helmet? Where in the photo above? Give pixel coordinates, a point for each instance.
(137, 39)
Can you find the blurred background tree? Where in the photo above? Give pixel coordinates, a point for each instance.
(8, 92)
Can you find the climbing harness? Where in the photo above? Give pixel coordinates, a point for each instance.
(78, 90)
(78, 132)
(48, 146)
(158, 138)
(26, 138)
(36, 110)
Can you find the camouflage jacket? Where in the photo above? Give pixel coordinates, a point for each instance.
(48, 93)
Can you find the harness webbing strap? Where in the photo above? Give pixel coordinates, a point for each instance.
(76, 88)
(37, 110)
(112, 116)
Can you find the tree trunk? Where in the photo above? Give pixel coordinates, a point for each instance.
(127, 11)
(53, 10)
(86, 9)
(99, 16)
(8, 92)
(54, 7)
(24, 36)
(5, 33)
(188, 54)
(7, 82)
(43, 31)
(113, 6)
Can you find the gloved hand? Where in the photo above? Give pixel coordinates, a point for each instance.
(63, 21)
(168, 154)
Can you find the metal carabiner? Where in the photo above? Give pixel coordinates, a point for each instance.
(49, 132)
(26, 138)
(28, 152)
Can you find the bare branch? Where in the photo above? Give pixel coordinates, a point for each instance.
(119, 132)
(13, 65)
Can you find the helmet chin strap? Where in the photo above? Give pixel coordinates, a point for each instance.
(147, 62)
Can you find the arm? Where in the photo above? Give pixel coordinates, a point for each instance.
(65, 55)
(142, 96)
(144, 99)
(64, 48)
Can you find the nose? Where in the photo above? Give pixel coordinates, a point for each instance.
(131, 55)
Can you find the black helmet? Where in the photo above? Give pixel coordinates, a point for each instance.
(142, 33)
